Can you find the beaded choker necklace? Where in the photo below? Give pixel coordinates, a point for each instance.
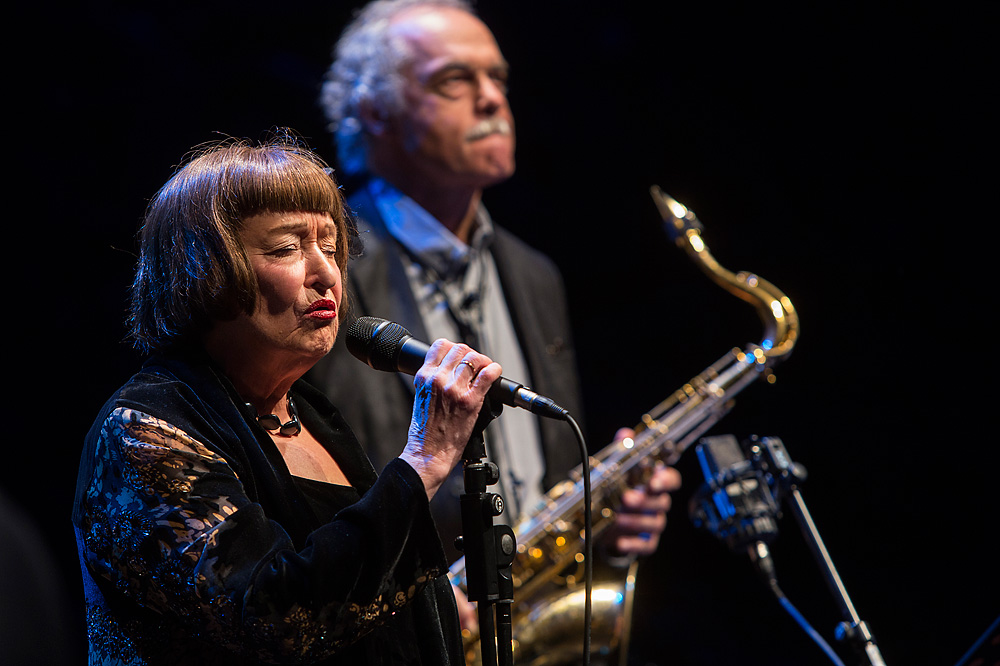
(271, 422)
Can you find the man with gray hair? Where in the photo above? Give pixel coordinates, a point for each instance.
(417, 101)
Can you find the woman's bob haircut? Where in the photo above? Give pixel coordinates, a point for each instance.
(193, 269)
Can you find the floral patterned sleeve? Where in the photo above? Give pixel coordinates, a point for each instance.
(168, 525)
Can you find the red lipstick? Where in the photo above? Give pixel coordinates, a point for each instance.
(323, 308)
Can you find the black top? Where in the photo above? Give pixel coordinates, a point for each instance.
(199, 547)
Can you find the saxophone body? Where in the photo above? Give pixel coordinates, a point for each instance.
(548, 609)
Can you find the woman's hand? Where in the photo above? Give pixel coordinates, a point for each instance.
(451, 386)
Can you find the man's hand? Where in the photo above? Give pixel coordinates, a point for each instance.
(643, 514)
(468, 616)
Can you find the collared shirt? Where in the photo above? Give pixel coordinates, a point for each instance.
(457, 289)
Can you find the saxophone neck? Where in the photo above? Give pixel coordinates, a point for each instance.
(775, 309)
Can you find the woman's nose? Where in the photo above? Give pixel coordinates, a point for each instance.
(323, 270)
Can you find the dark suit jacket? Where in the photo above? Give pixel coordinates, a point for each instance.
(378, 405)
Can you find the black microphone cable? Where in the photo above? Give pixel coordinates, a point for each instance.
(588, 545)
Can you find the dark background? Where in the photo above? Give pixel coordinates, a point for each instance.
(839, 152)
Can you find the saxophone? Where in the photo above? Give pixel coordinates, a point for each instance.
(548, 609)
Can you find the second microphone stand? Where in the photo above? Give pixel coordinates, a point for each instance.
(788, 476)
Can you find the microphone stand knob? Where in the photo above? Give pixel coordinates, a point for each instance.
(493, 504)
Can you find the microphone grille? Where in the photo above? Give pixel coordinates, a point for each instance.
(376, 342)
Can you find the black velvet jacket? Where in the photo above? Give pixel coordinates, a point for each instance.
(199, 547)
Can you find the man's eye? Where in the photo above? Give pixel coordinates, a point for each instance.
(454, 84)
(501, 81)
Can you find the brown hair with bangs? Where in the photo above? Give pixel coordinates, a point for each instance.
(193, 269)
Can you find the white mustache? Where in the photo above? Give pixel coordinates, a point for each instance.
(487, 127)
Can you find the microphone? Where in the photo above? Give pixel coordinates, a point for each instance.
(385, 345)
(735, 503)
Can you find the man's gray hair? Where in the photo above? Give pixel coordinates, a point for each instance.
(366, 69)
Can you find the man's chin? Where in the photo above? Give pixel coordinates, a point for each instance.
(497, 173)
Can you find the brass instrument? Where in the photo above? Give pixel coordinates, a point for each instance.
(548, 608)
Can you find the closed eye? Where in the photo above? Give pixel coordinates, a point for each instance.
(283, 251)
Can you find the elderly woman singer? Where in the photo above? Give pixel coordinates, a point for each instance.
(225, 513)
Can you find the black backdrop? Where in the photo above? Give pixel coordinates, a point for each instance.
(839, 152)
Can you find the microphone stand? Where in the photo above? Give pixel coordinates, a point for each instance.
(489, 549)
(788, 476)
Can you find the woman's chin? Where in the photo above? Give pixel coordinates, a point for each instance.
(321, 347)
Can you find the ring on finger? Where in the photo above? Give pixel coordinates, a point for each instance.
(475, 370)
